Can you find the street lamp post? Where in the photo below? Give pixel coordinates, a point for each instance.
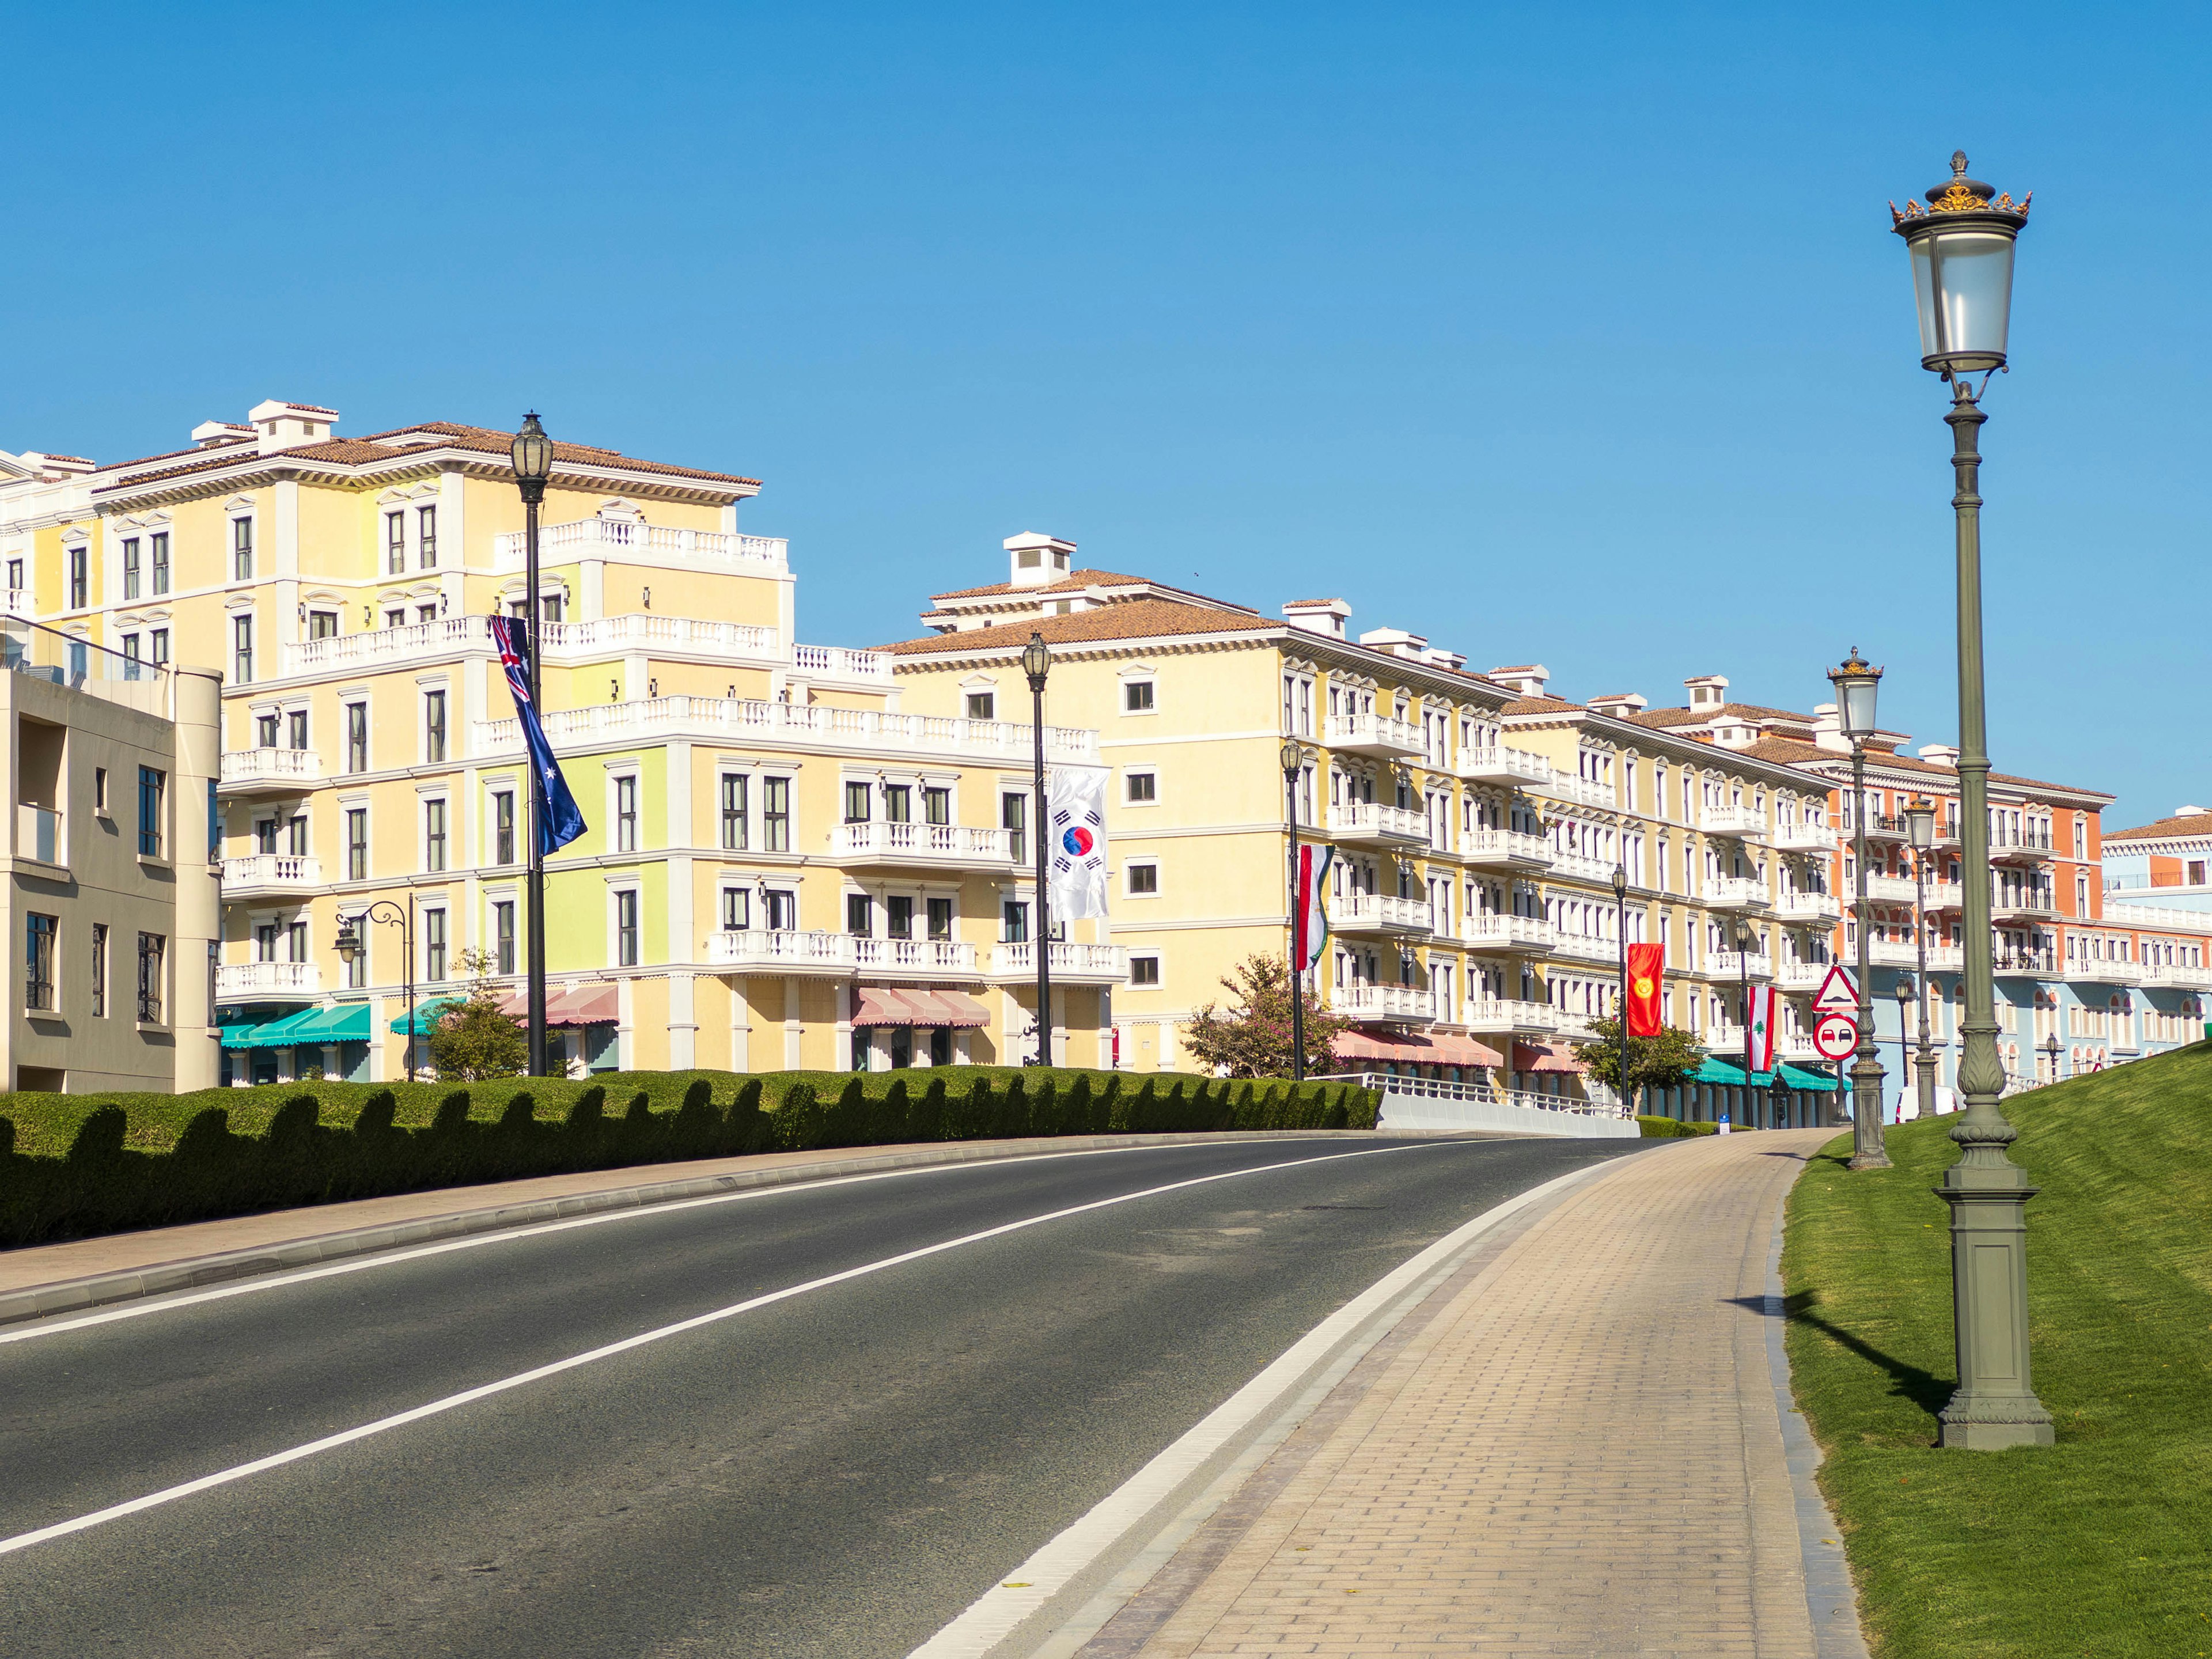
(532, 455)
(1961, 245)
(1036, 662)
(350, 945)
(1293, 757)
(1743, 941)
(1620, 1012)
(1778, 1097)
(1920, 829)
(1857, 686)
(1905, 993)
(2051, 1047)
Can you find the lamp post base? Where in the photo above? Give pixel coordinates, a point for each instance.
(1867, 1150)
(1994, 1406)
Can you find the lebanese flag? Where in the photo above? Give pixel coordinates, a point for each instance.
(1647, 963)
(1762, 1027)
(1308, 921)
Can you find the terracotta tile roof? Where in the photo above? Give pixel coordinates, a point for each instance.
(1749, 711)
(1298, 602)
(1137, 619)
(1541, 705)
(2193, 823)
(1081, 579)
(1792, 753)
(228, 446)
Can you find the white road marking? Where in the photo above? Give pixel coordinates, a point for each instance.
(485, 1391)
(536, 1229)
(1022, 1592)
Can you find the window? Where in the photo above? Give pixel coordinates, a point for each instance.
(39, 933)
(396, 618)
(1014, 921)
(295, 728)
(433, 726)
(898, 804)
(860, 915)
(427, 613)
(1013, 817)
(160, 642)
(100, 970)
(426, 537)
(395, 543)
(776, 815)
(80, 577)
(1144, 878)
(981, 705)
(433, 835)
(737, 909)
(158, 549)
(241, 649)
(941, 918)
(356, 971)
(502, 936)
(100, 789)
(131, 567)
(434, 944)
(626, 815)
(1144, 970)
(241, 550)
(322, 625)
(625, 928)
(1139, 787)
(898, 917)
(782, 910)
(153, 951)
(936, 805)
(733, 811)
(265, 731)
(153, 785)
(296, 941)
(356, 717)
(502, 827)
(298, 848)
(859, 803)
(1137, 697)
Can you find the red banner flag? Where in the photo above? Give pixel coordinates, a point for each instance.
(1646, 962)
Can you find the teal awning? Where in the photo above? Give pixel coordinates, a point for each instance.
(1731, 1075)
(239, 1036)
(427, 1015)
(347, 1023)
(275, 1034)
(1798, 1077)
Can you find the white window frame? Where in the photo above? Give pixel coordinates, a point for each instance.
(1129, 889)
(1159, 966)
(1129, 775)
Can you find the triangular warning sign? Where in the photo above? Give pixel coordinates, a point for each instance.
(1839, 993)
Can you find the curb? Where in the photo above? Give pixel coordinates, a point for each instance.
(190, 1273)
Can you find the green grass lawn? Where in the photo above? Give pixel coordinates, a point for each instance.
(2101, 1545)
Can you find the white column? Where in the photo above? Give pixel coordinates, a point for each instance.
(683, 1023)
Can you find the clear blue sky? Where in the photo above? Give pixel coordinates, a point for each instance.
(1565, 333)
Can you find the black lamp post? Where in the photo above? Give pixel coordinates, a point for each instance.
(1743, 942)
(1620, 928)
(1906, 988)
(1920, 829)
(1778, 1097)
(1293, 757)
(1036, 662)
(1961, 245)
(533, 454)
(1857, 686)
(350, 945)
(2051, 1047)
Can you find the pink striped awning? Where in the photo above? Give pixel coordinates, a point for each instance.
(1437, 1049)
(1545, 1057)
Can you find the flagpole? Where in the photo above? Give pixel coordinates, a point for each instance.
(533, 454)
(1293, 757)
(1036, 662)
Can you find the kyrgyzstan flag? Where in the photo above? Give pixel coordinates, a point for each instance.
(1646, 962)
(1762, 1027)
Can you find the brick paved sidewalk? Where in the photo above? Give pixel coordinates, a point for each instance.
(1578, 1452)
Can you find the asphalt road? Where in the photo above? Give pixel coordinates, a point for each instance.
(836, 1474)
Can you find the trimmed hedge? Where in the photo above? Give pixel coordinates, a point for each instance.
(1668, 1129)
(74, 1165)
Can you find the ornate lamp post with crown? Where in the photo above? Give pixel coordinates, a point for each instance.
(1036, 662)
(1293, 757)
(1620, 1011)
(1920, 831)
(1857, 686)
(1961, 244)
(532, 455)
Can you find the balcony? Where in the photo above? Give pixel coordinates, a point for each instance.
(1881, 826)
(2087, 971)
(1586, 947)
(1380, 913)
(1944, 896)
(416, 641)
(1735, 964)
(1497, 763)
(266, 873)
(1373, 823)
(1575, 867)
(757, 949)
(1506, 849)
(1808, 908)
(1802, 838)
(1801, 976)
(1889, 890)
(2022, 906)
(2178, 976)
(268, 771)
(2020, 846)
(1734, 893)
(1506, 1016)
(1501, 933)
(268, 981)
(1579, 1028)
(19, 602)
(1742, 823)
(622, 537)
(1070, 963)
(1405, 1005)
(38, 835)
(1382, 736)
(677, 636)
(914, 958)
(1891, 953)
(755, 720)
(1722, 1042)
(1564, 785)
(835, 662)
(2027, 964)
(932, 846)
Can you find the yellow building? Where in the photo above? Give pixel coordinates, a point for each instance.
(1477, 821)
(782, 869)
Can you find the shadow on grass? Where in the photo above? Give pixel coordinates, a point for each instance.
(1924, 1388)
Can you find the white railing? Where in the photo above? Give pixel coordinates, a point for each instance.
(1399, 1002)
(912, 955)
(1734, 964)
(949, 842)
(1735, 820)
(279, 766)
(273, 870)
(243, 981)
(604, 538)
(1889, 890)
(2121, 914)
(839, 663)
(1945, 895)
(642, 630)
(1090, 962)
(1503, 847)
(1384, 912)
(1801, 976)
(1564, 785)
(1581, 867)
(1579, 1026)
(1585, 947)
(792, 952)
(1802, 838)
(414, 641)
(1735, 890)
(1807, 907)
(19, 602)
(1508, 1014)
(755, 720)
(1372, 731)
(1369, 818)
(2092, 971)
(1500, 932)
(1498, 763)
(1722, 1042)
(1484, 1093)
(2178, 973)
(38, 835)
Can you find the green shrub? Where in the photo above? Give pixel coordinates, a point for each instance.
(1668, 1129)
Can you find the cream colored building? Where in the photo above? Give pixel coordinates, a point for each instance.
(783, 867)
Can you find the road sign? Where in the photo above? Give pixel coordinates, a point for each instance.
(1836, 1036)
(1839, 993)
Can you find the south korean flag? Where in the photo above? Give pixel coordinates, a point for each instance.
(1075, 809)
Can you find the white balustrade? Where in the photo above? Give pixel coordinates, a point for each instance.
(1503, 847)
(1736, 821)
(748, 719)
(781, 952)
(1383, 913)
(272, 870)
(1734, 964)
(1093, 964)
(837, 662)
(1500, 764)
(1802, 838)
(913, 956)
(1372, 734)
(1405, 1003)
(1506, 932)
(1736, 893)
(1369, 820)
(243, 981)
(271, 767)
(607, 537)
(948, 843)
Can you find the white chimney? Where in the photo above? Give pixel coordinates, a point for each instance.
(287, 426)
(1707, 690)
(1620, 704)
(1940, 754)
(1828, 729)
(2189, 812)
(1323, 616)
(1037, 560)
(1528, 677)
(216, 435)
(1396, 642)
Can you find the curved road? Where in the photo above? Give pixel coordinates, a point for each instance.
(837, 1473)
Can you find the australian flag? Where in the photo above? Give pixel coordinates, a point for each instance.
(557, 819)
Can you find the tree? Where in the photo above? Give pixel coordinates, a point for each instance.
(1665, 1062)
(475, 1038)
(1252, 1038)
